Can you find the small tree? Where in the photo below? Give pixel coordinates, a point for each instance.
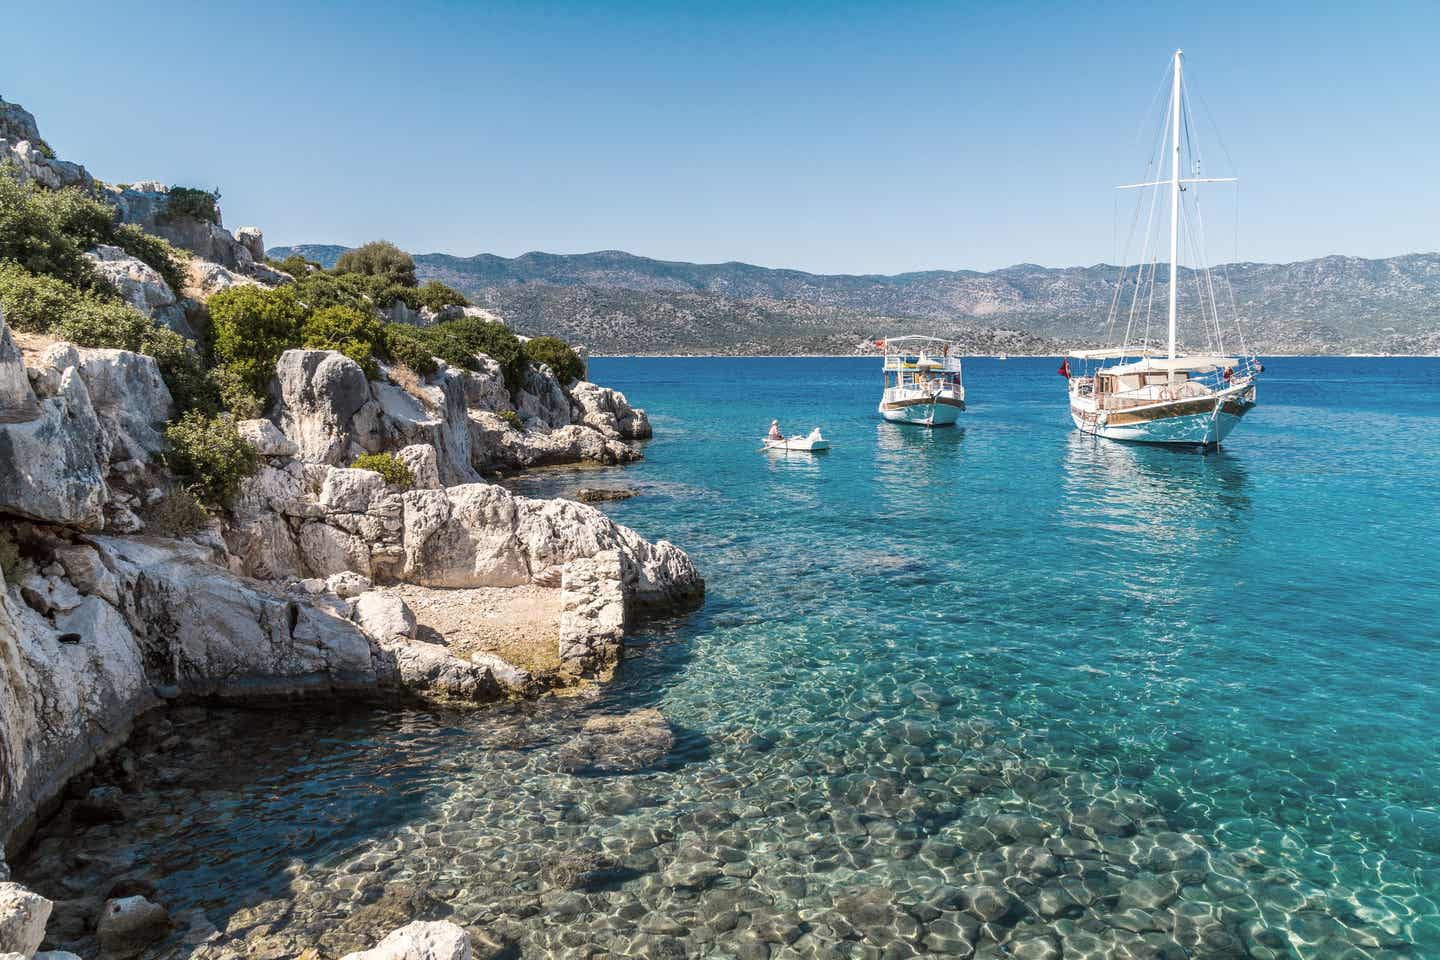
(379, 258)
(390, 467)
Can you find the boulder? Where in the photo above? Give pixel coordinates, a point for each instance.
(50, 468)
(130, 399)
(347, 584)
(128, 925)
(421, 940)
(619, 743)
(31, 157)
(384, 616)
(17, 400)
(419, 458)
(141, 286)
(23, 914)
(350, 491)
(267, 439)
(608, 411)
(210, 278)
(319, 392)
(147, 205)
(592, 617)
(432, 672)
(253, 240)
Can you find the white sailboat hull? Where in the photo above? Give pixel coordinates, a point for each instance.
(1204, 422)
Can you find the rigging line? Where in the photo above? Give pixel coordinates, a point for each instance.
(1151, 164)
(1145, 251)
(1195, 233)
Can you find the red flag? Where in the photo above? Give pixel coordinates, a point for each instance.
(880, 344)
(1064, 370)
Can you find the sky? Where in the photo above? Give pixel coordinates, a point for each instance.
(829, 137)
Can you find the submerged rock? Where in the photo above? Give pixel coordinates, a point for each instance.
(422, 940)
(619, 743)
(128, 925)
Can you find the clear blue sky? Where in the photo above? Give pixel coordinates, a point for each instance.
(830, 137)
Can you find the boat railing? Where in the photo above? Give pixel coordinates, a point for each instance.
(906, 364)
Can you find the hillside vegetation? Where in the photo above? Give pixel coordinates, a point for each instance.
(617, 302)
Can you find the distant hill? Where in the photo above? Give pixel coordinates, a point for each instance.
(615, 301)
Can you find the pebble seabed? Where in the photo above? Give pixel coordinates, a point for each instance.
(914, 831)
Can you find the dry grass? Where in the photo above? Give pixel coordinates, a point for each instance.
(32, 344)
(411, 382)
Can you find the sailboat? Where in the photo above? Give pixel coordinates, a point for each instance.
(1139, 393)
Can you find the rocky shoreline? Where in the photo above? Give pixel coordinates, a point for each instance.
(120, 606)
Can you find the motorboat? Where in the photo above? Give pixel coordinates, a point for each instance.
(922, 381)
(812, 442)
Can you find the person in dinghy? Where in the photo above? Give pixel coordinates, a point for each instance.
(775, 433)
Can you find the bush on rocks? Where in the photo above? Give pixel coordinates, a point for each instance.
(189, 202)
(405, 346)
(563, 361)
(398, 293)
(252, 327)
(168, 261)
(295, 265)
(48, 231)
(210, 456)
(379, 258)
(176, 514)
(437, 296)
(390, 468)
(459, 341)
(318, 289)
(355, 333)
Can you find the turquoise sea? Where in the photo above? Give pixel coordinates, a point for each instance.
(1156, 703)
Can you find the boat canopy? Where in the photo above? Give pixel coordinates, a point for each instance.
(1173, 365)
(1110, 353)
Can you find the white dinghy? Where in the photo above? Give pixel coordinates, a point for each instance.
(811, 443)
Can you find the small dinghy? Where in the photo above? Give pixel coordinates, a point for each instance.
(812, 443)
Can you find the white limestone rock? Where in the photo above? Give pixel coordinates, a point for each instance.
(347, 584)
(266, 438)
(384, 616)
(420, 460)
(608, 411)
(141, 286)
(421, 940)
(325, 550)
(319, 392)
(50, 467)
(253, 240)
(23, 914)
(350, 490)
(17, 400)
(592, 617)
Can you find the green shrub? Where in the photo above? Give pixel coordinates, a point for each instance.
(458, 341)
(168, 261)
(251, 327)
(404, 345)
(319, 289)
(209, 456)
(398, 292)
(188, 202)
(388, 466)
(379, 258)
(295, 265)
(564, 362)
(33, 302)
(355, 333)
(234, 393)
(510, 417)
(437, 296)
(36, 225)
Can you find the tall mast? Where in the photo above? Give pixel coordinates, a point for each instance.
(1174, 194)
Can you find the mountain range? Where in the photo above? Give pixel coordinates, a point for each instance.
(616, 302)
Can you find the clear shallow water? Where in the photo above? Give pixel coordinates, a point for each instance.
(1204, 686)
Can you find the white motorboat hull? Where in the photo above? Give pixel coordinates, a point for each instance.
(797, 445)
(942, 412)
(1202, 422)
